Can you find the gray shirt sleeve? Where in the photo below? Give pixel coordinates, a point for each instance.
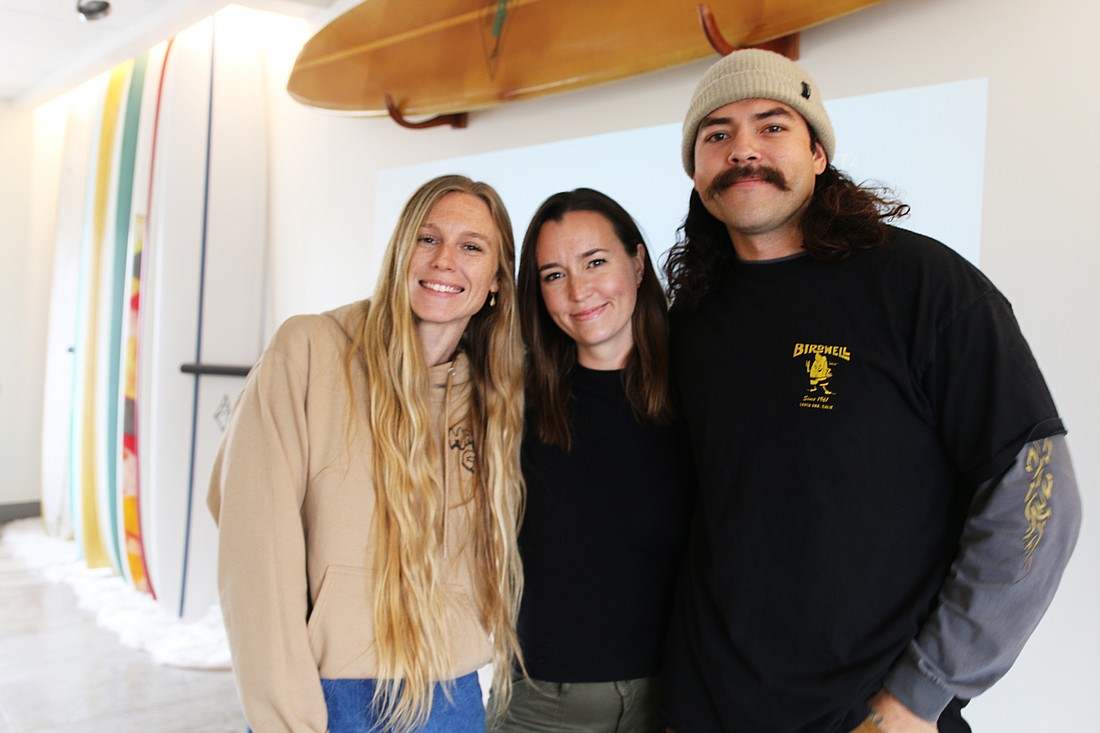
(1016, 542)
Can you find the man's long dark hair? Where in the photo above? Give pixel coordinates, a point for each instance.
(551, 354)
(842, 216)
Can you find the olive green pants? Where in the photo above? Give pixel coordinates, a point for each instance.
(627, 706)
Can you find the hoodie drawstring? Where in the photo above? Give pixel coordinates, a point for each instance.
(443, 452)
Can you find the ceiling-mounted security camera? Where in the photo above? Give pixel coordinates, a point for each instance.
(92, 9)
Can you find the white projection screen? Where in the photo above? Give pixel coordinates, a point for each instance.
(927, 144)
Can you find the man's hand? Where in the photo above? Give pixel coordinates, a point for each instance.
(893, 717)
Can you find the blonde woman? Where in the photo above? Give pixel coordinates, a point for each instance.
(368, 488)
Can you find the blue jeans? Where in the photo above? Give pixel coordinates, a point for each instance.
(350, 711)
(349, 707)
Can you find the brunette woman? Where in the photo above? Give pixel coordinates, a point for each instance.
(607, 473)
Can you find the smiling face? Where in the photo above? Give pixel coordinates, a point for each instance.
(452, 269)
(589, 285)
(754, 171)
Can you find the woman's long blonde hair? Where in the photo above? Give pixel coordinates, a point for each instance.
(409, 618)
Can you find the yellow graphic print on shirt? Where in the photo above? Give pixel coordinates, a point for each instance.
(820, 374)
(819, 361)
(1039, 489)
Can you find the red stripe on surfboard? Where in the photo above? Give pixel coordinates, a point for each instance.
(139, 539)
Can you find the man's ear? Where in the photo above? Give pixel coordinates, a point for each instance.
(821, 161)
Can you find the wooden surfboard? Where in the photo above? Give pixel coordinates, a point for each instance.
(443, 56)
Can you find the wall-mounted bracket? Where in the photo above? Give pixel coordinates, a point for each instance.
(785, 45)
(456, 119)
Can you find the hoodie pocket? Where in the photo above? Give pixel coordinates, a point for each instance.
(341, 626)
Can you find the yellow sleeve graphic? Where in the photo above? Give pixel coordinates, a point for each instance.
(1037, 508)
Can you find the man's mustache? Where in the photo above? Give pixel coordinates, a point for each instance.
(730, 176)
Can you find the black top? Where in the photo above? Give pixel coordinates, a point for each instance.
(601, 539)
(841, 416)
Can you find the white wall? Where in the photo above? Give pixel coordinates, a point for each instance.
(1038, 241)
(23, 297)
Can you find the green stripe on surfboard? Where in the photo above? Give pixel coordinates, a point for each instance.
(95, 552)
(111, 430)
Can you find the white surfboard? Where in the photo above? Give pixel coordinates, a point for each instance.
(127, 504)
(57, 515)
(208, 226)
(97, 91)
(145, 380)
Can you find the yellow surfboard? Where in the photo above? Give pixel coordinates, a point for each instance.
(445, 56)
(95, 548)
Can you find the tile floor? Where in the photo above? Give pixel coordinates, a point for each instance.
(62, 673)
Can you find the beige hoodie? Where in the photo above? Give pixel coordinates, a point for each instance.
(293, 497)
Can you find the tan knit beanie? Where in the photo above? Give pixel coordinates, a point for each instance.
(756, 74)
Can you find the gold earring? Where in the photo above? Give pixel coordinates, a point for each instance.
(492, 299)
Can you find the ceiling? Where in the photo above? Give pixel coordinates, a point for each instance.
(46, 48)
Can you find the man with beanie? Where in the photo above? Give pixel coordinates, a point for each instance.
(886, 498)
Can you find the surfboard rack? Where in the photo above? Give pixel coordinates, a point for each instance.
(218, 370)
(786, 45)
(455, 119)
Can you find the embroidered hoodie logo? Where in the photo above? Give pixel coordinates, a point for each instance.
(819, 361)
(462, 440)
